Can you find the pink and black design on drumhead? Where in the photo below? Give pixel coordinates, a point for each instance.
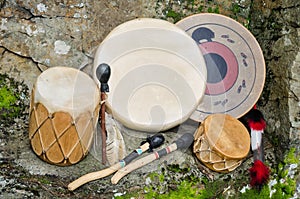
(234, 61)
(221, 63)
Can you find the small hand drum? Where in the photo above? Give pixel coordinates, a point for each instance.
(64, 111)
(221, 142)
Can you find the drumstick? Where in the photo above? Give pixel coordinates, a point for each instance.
(151, 143)
(103, 74)
(182, 143)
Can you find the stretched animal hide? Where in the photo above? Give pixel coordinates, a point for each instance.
(115, 145)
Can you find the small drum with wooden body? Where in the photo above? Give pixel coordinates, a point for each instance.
(64, 110)
(221, 142)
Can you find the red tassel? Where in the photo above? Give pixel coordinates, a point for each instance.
(259, 174)
(257, 125)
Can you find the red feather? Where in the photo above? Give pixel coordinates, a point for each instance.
(257, 125)
(259, 174)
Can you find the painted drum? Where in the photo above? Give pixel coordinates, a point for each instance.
(158, 74)
(234, 61)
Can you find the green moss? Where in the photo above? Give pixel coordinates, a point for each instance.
(185, 190)
(188, 189)
(286, 186)
(8, 99)
(283, 185)
(163, 186)
(176, 168)
(156, 176)
(44, 181)
(210, 9)
(182, 188)
(213, 189)
(200, 8)
(176, 16)
(235, 8)
(291, 157)
(264, 193)
(217, 10)
(128, 196)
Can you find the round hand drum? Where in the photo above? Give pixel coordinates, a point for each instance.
(64, 111)
(234, 61)
(221, 142)
(156, 72)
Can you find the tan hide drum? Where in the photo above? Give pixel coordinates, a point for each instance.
(221, 142)
(158, 74)
(64, 110)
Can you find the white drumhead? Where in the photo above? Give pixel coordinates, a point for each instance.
(234, 61)
(155, 78)
(67, 89)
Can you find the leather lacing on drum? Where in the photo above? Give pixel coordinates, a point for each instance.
(80, 145)
(208, 149)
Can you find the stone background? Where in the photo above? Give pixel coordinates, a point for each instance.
(38, 34)
(276, 26)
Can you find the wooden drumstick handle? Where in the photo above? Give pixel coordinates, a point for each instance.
(151, 142)
(106, 172)
(103, 74)
(103, 128)
(183, 142)
(93, 176)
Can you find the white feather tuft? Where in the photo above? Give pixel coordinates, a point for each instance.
(256, 139)
(115, 145)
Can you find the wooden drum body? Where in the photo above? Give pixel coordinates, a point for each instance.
(221, 142)
(64, 110)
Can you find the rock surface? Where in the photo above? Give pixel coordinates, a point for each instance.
(276, 26)
(36, 35)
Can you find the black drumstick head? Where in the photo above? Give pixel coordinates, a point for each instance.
(103, 74)
(154, 141)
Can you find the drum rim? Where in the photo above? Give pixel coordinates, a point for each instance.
(39, 97)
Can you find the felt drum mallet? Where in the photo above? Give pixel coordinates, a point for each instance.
(151, 143)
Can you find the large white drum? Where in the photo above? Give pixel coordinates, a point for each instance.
(158, 74)
(64, 112)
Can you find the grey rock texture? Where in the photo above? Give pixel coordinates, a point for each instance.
(276, 27)
(36, 35)
(60, 33)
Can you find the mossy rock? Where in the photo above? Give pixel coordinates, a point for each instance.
(12, 99)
